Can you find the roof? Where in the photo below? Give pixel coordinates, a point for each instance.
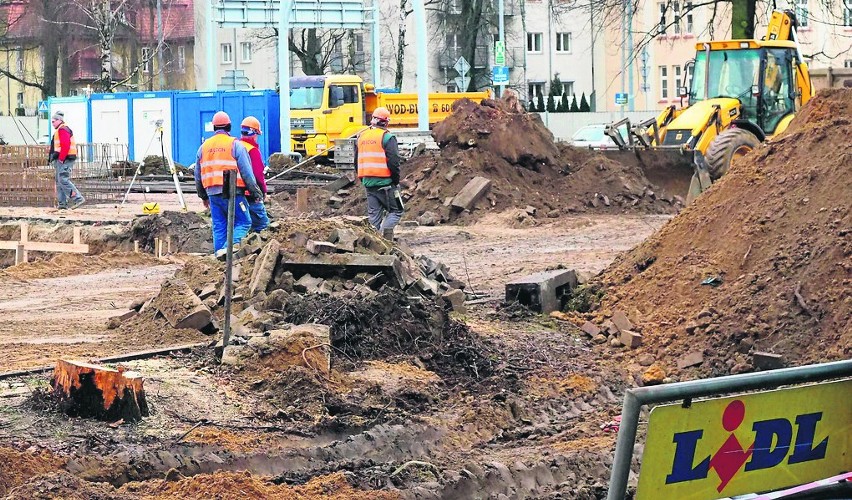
(178, 22)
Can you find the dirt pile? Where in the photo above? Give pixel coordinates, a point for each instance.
(189, 232)
(760, 263)
(18, 467)
(69, 264)
(151, 165)
(528, 172)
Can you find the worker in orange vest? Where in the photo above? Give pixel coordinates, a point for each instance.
(63, 154)
(249, 130)
(216, 155)
(377, 158)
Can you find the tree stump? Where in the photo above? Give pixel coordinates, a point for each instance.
(92, 391)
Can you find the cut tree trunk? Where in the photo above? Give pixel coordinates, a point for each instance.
(92, 391)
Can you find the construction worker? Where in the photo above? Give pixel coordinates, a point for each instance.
(377, 159)
(63, 154)
(216, 155)
(250, 129)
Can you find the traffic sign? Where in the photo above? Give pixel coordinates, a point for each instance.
(42, 106)
(500, 75)
(462, 66)
(462, 82)
(621, 98)
(499, 53)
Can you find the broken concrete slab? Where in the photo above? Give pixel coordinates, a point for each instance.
(264, 267)
(341, 183)
(590, 329)
(318, 247)
(619, 319)
(767, 360)
(344, 239)
(307, 284)
(346, 266)
(471, 193)
(455, 298)
(542, 291)
(427, 286)
(631, 339)
(181, 307)
(207, 291)
(428, 219)
(691, 359)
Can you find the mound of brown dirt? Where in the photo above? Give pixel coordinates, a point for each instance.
(18, 467)
(66, 486)
(69, 264)
(775, 234)
(189, 232)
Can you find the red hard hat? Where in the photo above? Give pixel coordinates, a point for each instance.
(252, 123)
(221, 119)
(381, 113)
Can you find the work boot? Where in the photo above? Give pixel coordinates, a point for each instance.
(387, 233)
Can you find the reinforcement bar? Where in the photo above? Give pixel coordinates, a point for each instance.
(635, 398)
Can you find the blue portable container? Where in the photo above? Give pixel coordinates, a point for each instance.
(263, 105)
(193, 112)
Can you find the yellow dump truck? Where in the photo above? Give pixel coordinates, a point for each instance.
(325, 108)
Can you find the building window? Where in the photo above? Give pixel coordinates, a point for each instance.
(535, 89)
(690, 27)
(20, 99)
(664, 82)
(227, 53)
(677, 79)
(563, 42)
(245, 52)
(663, 22)
(147, 60)
(568, 88)
(847, 13)
(676, 13)
(359, 43)
(847, 63)
(181, 58)
(19, 61)
(534, 42)
(802, 13)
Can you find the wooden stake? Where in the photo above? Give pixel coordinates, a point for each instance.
(77, 236)
(20, 255)
(135, 246)
(157, 247)
(25, 238)
(169, 246)
(302, 200)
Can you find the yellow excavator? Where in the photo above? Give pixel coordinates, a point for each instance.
(742, 92)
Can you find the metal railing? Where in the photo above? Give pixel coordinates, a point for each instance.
(635, 398)
(28, 179)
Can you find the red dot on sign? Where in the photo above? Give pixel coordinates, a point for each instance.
(734, 415)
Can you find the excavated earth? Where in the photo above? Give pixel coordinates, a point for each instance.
(762, 262)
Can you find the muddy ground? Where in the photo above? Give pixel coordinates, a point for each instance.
(529, 423)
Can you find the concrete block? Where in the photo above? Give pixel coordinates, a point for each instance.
(346, 266)
(344, 239)
(691, 359)
(318, 247)
(427, 286)
(619, 319)
(590, 329)
(456, 300)
(207, 291)
(631, 339)
(767, 360)
(471, 193)
(542, 291)
(307, 284)
(264, 267)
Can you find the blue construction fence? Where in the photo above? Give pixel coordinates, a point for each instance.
(131, 118)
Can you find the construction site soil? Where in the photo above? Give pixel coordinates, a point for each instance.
(760, 262)
(375, 384)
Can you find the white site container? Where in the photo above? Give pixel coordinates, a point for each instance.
(76, 110)
(110, 119)
(147, 108)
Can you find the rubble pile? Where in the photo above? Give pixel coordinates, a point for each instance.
(313, 301)
(495, 159)
(756, 273)
(151, 165)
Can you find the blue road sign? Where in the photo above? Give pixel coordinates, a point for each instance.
(500, 75)
(621, 98)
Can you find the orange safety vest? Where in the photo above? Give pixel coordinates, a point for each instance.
(372, 161)
(72, 150)
(217, 155)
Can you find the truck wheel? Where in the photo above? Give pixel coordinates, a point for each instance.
(728, 145)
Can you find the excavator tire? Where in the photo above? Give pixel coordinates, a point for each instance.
(725, 147)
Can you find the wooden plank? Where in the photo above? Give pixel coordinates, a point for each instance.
(77, 240)
(46, 246)
(20, 255)
(25, 237)
(302, 200)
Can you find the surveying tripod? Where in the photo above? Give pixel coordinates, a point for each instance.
(158, 133)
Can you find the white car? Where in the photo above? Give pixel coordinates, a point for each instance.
(593, 136)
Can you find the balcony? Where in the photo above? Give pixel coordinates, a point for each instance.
(448, 57)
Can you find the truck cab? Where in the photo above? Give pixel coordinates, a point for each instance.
(322, 108)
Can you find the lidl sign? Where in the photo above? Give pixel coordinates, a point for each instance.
(748, 443)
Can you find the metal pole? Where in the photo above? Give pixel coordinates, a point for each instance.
(501, 30)
(229, 255)
(422, 66)
(160, 44)
(631, 99)
(635, 398)
(592, 29)
(377, 53)
(211, 42)
(284, 73)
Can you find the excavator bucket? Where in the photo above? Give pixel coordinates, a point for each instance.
(669, 168)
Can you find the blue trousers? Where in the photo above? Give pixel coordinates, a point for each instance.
(65, 189)
(259, 219)
(219, 214)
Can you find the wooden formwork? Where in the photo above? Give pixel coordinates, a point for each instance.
(28, 179)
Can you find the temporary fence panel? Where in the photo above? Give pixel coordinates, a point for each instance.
(110, 118)
(194, 112)
(76, 111)
(147, 108)
(263, 105)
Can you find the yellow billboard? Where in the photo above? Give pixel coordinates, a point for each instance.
(748, 443)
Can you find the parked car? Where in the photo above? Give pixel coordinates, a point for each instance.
(593, 136)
